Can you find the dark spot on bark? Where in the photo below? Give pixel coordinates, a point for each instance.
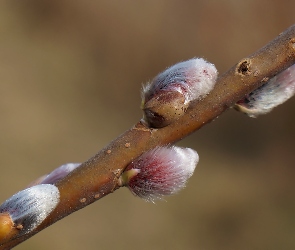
(243, 67)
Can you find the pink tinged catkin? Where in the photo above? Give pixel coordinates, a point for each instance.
(59, 173)
(29, 207)
(56, 175)
(273, 93)
(159, 172)
(169, 94)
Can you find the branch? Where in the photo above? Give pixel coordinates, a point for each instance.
(99, 175)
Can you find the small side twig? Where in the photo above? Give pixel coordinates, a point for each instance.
(99, 175)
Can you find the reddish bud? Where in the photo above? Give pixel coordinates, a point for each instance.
(273, 93)
(168, 95)
(159, 172)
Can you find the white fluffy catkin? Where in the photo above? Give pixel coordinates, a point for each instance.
(169, 94)
(29, 207)
(273, 93)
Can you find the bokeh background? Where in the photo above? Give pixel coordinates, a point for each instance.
(70, 79)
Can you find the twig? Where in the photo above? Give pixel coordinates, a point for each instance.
(98, 176)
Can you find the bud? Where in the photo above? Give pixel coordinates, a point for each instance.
(59, 173)
(28, 208)
(56, 175)
(159, 172)
(6, 226)
(273, 93)
(169, 94)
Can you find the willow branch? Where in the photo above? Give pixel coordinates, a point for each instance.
(98, 176)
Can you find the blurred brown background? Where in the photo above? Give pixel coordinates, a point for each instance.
(70, 79)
